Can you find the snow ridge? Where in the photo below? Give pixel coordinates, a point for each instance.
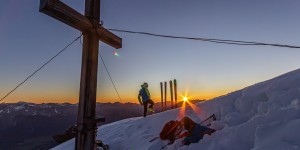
(264, 116)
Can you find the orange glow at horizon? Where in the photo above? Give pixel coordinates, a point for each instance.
(34, 94)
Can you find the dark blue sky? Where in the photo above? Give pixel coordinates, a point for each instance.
(204, 70)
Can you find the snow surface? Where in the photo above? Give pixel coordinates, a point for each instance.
(264, 116)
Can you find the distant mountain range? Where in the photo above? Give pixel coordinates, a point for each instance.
(32, 126)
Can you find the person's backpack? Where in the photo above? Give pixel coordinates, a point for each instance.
(171, 130)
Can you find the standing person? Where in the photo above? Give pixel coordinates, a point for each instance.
(144, 93)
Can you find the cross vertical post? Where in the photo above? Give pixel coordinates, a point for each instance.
(92, 31)
(85, 137)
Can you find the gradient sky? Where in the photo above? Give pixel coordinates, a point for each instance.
(204, 70)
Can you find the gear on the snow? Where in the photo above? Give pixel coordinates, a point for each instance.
(171, 130)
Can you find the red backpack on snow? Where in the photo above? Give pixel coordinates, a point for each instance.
(171, 130)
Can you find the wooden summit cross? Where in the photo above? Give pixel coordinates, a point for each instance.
(92, 31)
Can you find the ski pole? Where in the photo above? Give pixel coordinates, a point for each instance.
(212, 116)
(153, 139)
(165, 146)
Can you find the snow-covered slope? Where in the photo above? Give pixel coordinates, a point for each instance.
(265, 116)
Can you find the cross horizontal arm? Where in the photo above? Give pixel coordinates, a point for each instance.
(109, 38)
(65, 14)
(71, 17)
